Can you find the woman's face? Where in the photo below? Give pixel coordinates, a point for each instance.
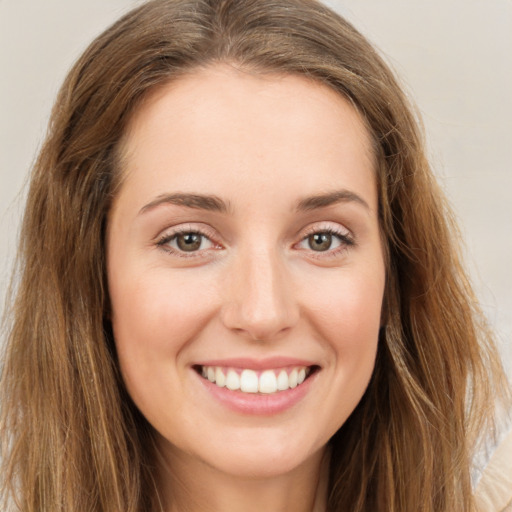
(244, 251)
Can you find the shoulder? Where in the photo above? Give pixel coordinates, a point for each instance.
(494, 490)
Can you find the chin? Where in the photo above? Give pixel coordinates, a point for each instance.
(261, 455)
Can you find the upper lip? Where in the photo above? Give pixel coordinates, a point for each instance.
(267, 363)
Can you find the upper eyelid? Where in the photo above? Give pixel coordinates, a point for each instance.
(331, 226)
(173, 231)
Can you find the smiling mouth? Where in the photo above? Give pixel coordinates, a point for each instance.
(251, 381)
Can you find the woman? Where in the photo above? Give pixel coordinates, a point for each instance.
(239, 286)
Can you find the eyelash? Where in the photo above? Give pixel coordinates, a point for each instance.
(346, 241)
(163, 241)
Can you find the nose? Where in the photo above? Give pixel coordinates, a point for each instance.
(259, 301)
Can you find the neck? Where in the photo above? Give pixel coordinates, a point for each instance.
(193, 486)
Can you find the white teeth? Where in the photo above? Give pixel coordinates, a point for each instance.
(268, 382)
(220, 378)
(282, 381)
(232, 380)
(249, 381)
(292, 379)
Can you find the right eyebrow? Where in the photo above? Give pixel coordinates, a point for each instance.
(196, 201)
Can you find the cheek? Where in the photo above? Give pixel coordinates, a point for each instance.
(347, 309)
(157, 303)
(347, 317)
(347, 314)
(154, 317)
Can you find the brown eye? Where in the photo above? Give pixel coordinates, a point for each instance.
(186, 243)
(189, 242)
(320, 241)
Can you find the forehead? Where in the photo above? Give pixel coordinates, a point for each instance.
(221, 122)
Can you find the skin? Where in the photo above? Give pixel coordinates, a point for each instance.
(256, 287)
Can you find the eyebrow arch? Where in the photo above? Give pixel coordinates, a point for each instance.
(330, 198)
(197, 201)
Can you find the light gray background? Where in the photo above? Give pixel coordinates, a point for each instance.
(454, 57)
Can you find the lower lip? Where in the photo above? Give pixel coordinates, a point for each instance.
(258, 403)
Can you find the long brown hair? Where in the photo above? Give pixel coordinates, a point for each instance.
(71, 438)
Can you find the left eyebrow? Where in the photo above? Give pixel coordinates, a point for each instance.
(329, 199)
